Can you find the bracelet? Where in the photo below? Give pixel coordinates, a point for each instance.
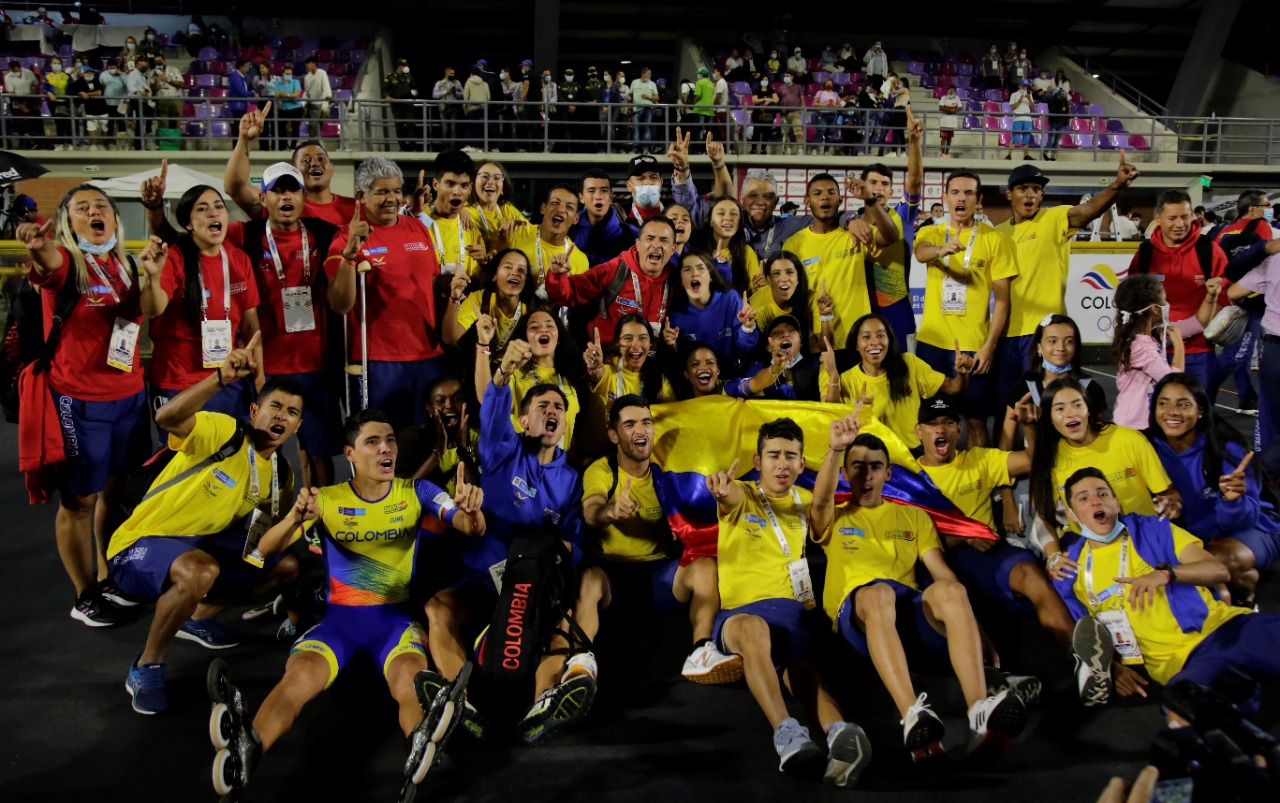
(497, 374)
(827, 318)
(458, 301)
(678, 169)
(715, 166)
(159, 205)
(482, 348)
(1052, 560)
(218, 373)
(833, 384)
(1168, 571)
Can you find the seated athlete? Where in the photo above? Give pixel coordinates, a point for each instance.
(1000, 570)
(635, 550)
(183, 545)
(368, 530)
(1143, 591)
(766, 592)
(873, 545)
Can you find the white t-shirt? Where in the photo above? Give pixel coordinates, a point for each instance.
(1020, 105)
(948, 108)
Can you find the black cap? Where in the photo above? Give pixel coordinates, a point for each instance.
(401, 62)
(781, 319)
(1027, 174)
(937, 407)
(644, 163)
(590, 70)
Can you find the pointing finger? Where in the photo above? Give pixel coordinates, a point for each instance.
(253, 341)
(826, 341)
(164, 169)
(462, 480)
(733, 469)
(1248, 458)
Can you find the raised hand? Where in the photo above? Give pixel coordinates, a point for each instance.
(458, 286)
(863, 399)
(623, 506)
(829, 361)
(964, 363)
(1126, 173)
(826, 304)
(466, 497)
(594, 355)
(485, 328)
(670, 334)
(858, 188)
(719, 483)
(759, 280)
(476, 250)
(240, 362)
(715, 150)
(1025, 411)
(463, 439)
(1232, 486)
(153, 258)
(950, 247)
(678, 151)
(421, 194)
(560, 261)
(843, 430)
(509, 228)
(305, 505)
(746, 315)
(915, 128)
(152, 189)
(357, 234)
(251, 123)
(1213, 286)
(517, 354)
(34, 235)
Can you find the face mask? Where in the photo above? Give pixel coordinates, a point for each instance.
(786, 79)
(79, 64)
(648, 195)
(502, 75)
(773, 55)
(113, 71)
(151, 37)
(130, 45)
(765, 83)
(1104, 539)
(608, 79)
(1055, 369)
(287, 76)
(1269, 214)
(568, 76)
(993, 50)
(546, 79)
(405, 69)
(57, 68)
(97, 250)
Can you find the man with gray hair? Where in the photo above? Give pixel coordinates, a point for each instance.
(398, 261)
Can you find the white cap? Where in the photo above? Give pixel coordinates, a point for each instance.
(279, 170)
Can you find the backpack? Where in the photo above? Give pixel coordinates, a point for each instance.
(138, 485)
(539, 585)
(23, 338)
(1204, 254)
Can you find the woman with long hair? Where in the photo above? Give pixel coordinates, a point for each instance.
(725, 239)
(633, 365)
(490, 206)
(699, 372)
(889, 383)
(95, 377)
(1070, 435)
(786, 292)
(204, 304)
(704, 309)
(1209, 463)
(504, 295)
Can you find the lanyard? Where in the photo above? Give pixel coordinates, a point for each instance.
(777, 528)
(226, 286)
(102, 276)
(968, 251)
(617, 380)
(275, 481)
(542, 272)
(662, 307)
(768, 240)
(502, 339)
(435, 228)
(1088, 571)
(306, 257)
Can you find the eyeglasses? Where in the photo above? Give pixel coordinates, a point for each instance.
(489, 177)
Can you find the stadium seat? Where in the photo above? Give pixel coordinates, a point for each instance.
(162, 39)
(1076, 97)
(1042, 108)
(938, 92)
(188, 110)
(277, 67)
(330, 129)
(207, 80)
(991, 107)
(343, 95)
(195, 128)
(1065, 141)
(971, 122)
(208, 54)
(1004, 139)
(840, 79)
(275, 42)
(336, 68)
(857, 77)
(821, 76)
(292, 43)
(915, 67)
(1083, 140)
(1006, 122)
(218, 92)
(1083, 124)
(812, 89)
(1106, 142)
(188, 83)
(304, 130)
(1121, 141)
(996, 95)
(220, 128)
(1095, 110)
(288, 56)
(1138, 142)
(335, 81)
(742, 87)
(324, 55)
(965, 70)
(962, 81)
(1079, 109)
(358, 56)
(929, 82)
(218, 67)
(972, 106)
(198, 67)
(1115, 127)
(993, 122)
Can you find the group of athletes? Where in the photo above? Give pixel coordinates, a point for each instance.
(485, 377)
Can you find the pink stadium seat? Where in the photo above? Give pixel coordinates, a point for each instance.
(1005, 139)
(218, 67)
(188, 83)
(347, 82)
(1083, 124)
(1076, 97)
(324, 55)
(1066, 141)
(991, 107)
(292, 43)
(993, 122)
(938, 92)
(330, 129)
(218, 92)
(336, 68)
(1138, 142)
(857, 77)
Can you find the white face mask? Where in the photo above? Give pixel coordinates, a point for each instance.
(405, 68)
(648, 195)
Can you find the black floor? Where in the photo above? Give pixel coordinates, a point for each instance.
(67, 731)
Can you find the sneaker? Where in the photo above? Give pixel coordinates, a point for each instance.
(209, 633)
(115, 595)
(796, 751)
(1025, 687)
(287, 631)
(1093, 650)
(706, 664)
(94, 610)
(145, 684)
(848, 754)
(1248, 407)
(583, 663)
(559, 706)
(922, 731)
(994, 722)
(428, 684)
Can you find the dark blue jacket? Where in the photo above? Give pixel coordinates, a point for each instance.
(606, 240)
(1204, 511)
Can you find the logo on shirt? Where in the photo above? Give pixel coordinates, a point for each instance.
(395, 508)
(381, 249)
(224, 478)
(239, 287)
(965, 490)
(811, 261)
(350, 511)
(523, 490)
(899, 535)
(848, 532)
(551, 517)
(416, 247)
(754, 519)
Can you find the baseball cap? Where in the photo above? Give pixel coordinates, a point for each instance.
(661, 82)
(482, 63)
(781, 319)
(797, 50)
(1024, 82)
(703, 71)
(1027, 174)
(400, 62)
(939, 407)
(272, 175)
(526, 63)
(26, 201)
(644, 163)
(591, 71)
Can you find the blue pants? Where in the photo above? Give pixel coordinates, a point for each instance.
(1204, 367)
(1267, 438)
(1012, 357)
(912, 625)
(399, 389)
(1235, 359)
(903, 320)
(1246, 642)
(977, 400)
(987, 573)
(101, 438)
(790, 636)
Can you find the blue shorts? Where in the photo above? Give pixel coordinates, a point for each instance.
(1246, 642)
(975, 400)
(1264, 545)
(320, 425)
(987, 573)
(1021, 132)
(232, 400)
(903, 320)
(645, 585)
(790, 636)
(922, 635)
(142, 570)
(384, 632)
(399, 389)
(101, 438)
(1012, 356)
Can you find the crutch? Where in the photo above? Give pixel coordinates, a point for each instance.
(361, 370)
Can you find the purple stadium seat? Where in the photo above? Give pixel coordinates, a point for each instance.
(972, 106)
(309, 43)
(207, 80)
(220, 128)
(962, 81)
(974, 93)
(1079, 108)
(304, 130)
(1006, 122)
(1095, 110)
(343, 95)
(742, 87)
(195, 128)
(840, 79)
(820, 76)
(971, 122)
(929, 82)
(358, 56)
(198, 67)
(275, 43)
(162, 39)
(1138, 142)
(964, 69)
(208, 54)
(1122, 141)
(915, 67)
(203, 111)
(1083, 140)
(1106, 142)
(1115, 127)
(996, 95)
(1042, 108)
(335, 81)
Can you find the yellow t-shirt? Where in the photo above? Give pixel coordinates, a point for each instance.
(962, 313)
(643, 537)
(469, 313)
(1044, 253)
(540, 252)
(898, 415)
(767, 309)
(751, 266)
(451, 239)
(874, 543)
(838, 258)
(890, 268)
(1164, 646)
(489, 222)
(750, 560)
(596, 421)
(969, 479)
(526, 378)
(1126, 458)
(209, 501)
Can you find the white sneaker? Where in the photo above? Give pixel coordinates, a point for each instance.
(584, 663)
(848, 754)
(922, 731)
(994, 722)
(706, 664)
(1093, 650)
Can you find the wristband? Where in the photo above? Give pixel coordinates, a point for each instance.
(497, 374)
(1168, 570)
(218, 373)
(827, 318)
(715, 166)
(1052, 560)
(159, 205)
(749, 329)
(482, 348)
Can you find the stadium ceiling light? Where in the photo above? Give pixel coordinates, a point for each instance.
(628, 61)
(1095, 75)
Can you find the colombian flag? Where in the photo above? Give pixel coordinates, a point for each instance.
(698, 437)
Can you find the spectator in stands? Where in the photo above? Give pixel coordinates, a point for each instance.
(1006, 60)
(24, 104)
(1019, 69)
(667, 97)
(791, 99)
(166, 88)
(90, 107)
(698, 121)
(261, 80)
(317, 91)
(197, 35)
(55, 86)
(644, 94)
(895, 120)
(287, 91)
(1059, 103)
(138, 83)
(721, 102)
(549, 95)
(259, 50)
(992, 68)
(507, 114)
(620, 110)
(1042, 85)
(797, 66)
(114, 93)
(1021, 105)
(150, 47)
(1061, 82)
(399, 89)
(475, 96)
(128, 53)
(949, 119)
(739, 69)
(644, 183)
(828, 59)
(763, 131)
(238, 87)
(448, 91)
(875, 63)
(827, 101)
(526, 93)
(774, 65)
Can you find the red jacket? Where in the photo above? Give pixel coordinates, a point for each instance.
(1183, 279)
(587, 288)
(40, 444)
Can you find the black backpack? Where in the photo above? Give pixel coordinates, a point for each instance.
(1204, 254)
(138, 485)
(539, 585)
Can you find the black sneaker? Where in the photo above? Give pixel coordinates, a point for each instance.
(115, 595)
(94, 610)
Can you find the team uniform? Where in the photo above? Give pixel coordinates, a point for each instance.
(96, 381)
(489, 221)
(956, 300)
(294, 335)
(753, 569)
(1043, 244)
(207, 511)
(968, 481)
(451, 239)
(767, 309)
(339, 211)
(842, 261)
(404, 344)
(178, 358)
(899, 414)
(880, 544)
(539, 253)
(614, 384)
(721, 261)
(1126, 458)
(370, 546)
(891, 268)
(527, 378)
(717, 325)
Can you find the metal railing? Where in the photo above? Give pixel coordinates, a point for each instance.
(1141, 100)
